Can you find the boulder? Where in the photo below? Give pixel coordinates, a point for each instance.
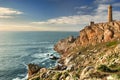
(60, 67)
(52, 57)
(32, 68)
(68, 60)
(70, 67)
(86, 71)
(43, 70)
(108, 35)
(71, 39)
(64, 45)
(117, 49)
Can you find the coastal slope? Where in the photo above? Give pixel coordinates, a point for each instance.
(93, 55)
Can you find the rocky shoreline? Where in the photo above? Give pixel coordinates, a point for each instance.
(93, 55)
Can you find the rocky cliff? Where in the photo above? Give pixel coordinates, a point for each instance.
(93, 55)
(91, 35)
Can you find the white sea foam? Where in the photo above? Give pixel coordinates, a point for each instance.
(51, 46)
(39, 61)
(25, 78)
(25, 65)
(39, 55)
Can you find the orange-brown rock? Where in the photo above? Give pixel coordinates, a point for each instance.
(83, 37)
(42, 70)
(91, 35)
(32, 68)
(97, 33)
(108, 35)
(64, 45)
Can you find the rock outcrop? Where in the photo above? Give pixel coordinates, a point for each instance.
(91, 35)
(32, 68)
(64, 45)
(100, 32)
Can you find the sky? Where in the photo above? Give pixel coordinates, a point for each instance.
(54, 15)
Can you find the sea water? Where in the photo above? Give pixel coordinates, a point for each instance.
(17, 49)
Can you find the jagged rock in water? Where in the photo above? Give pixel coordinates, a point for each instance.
(52, 57)
(32, 68)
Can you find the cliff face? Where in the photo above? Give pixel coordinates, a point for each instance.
(102, 32)
(91, 35)
(93, 55)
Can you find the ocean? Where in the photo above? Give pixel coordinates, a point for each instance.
(18, 49)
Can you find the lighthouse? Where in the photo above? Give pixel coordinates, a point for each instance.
(110, 13)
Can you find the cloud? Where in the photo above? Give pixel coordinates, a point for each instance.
(98, 15)
(76, 19)
(73, 20)
(102, 1)
(64, 23)
(8, 12)
(116, 4)
(101, 10)
(83, 7)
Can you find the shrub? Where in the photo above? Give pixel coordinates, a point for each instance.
(37, 78)
(104, 68)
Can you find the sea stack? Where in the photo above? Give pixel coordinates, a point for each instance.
(110, 13)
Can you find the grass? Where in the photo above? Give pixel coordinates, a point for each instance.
(117, 76)
(57, 76)
(101, 54)
(109, 44)
(65, 74)
(104, 68)
(115, 66)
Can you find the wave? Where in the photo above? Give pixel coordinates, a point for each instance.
(18, 78)
(22, 76)
(24, 43)
(40, 55)
(43, 59)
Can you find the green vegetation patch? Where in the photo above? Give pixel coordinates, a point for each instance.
(37, 78)
(109, 44)
(116, 76)
(115, 66)
(104, 68)
(57, 76)
(75, 76)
